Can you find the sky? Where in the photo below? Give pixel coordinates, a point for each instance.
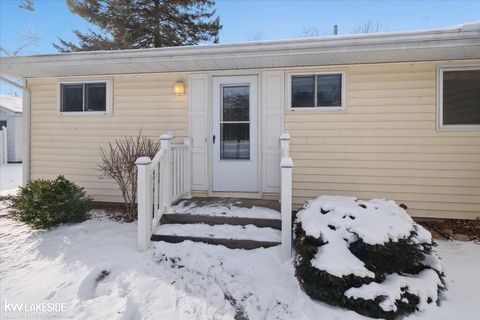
(248, 20)
(243, 20)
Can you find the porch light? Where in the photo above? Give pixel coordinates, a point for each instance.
(179, 88)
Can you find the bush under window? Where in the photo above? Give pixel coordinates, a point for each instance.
(43, 204)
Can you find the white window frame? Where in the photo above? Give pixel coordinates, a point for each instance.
(108, 88)
(342, 107)
(451, 127)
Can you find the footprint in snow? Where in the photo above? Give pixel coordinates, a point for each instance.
(51, 295)
(87, 288)
(64, 285)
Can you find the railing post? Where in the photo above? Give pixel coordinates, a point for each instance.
(167, 183)
(286, 167)
(144, 202)
(188, 167)
(284, 145)
(4, 145)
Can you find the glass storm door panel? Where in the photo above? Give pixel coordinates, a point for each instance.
(234, 123)
(234, 141)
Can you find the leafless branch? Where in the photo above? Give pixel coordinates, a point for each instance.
(255, 35)
(118, 162)
(310, 32)
(368, 26)
(27, 40)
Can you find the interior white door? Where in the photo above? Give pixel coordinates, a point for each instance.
(235, 134)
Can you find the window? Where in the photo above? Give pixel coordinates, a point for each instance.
(459, 98)
(86, 97)
(323, 91)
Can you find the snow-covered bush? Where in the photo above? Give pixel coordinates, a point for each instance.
(367, 256)
(43, 204)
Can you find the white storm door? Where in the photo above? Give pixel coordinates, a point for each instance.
(235, 134)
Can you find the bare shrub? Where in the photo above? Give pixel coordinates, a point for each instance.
(118, 162)
(310, 32)
(368, 26)
(255, 35)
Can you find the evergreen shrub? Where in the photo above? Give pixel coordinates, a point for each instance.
(43, 204)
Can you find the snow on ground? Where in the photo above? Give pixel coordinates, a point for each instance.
(182, 281)
(225, 209)
(10, 178)
(249, 232)
(461, 262)
(173, 281)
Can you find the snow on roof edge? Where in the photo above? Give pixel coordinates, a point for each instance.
(11, 103)
(468, 26)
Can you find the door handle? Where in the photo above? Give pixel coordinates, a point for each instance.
(213, 138)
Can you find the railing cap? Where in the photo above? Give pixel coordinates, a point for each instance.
(285, 136)
(165, 137)
(143, 161)
(286, 162)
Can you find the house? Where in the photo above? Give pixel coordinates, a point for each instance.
(387, 115)
(11, 118)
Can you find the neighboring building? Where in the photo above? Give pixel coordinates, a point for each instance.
(11, 118)
(388, 115)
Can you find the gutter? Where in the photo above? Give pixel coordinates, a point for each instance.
(467, 31)
(254, 49)
(26, 128)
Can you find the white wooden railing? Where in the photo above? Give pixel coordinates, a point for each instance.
(161, 181)
(182, 162)
(167, 178)
(286, 166)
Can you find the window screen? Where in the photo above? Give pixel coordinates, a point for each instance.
(329, 90)
(72, 97)
(95, 96)
(303, 91)
(461, 97)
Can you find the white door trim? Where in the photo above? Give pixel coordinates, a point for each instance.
(216, 80)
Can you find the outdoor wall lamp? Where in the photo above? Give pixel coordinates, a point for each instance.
(179, 88)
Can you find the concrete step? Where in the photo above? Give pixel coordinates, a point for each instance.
(231, 236)
(182, 218)
(229, 243)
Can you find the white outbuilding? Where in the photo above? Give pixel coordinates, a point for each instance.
(11, 119)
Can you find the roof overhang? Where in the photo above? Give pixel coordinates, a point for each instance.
(454, 43)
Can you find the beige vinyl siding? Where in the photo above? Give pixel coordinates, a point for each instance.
(386, 145)
(69, 144)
